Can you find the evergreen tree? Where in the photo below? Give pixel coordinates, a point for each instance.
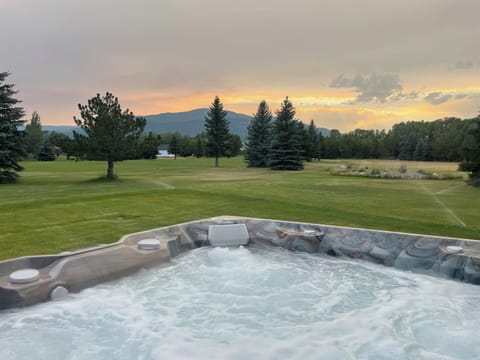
(257, 144)
(11, 138)
(305, 143)
(173, 147)
(313, 142)
(110, 133)
(149, 146)
(46, 152)
(286, 147)
(234, 145)
(33, 135)
(217, 130)
(199, 146)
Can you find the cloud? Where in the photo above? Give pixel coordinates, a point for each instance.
(460, 96)
(400, 96)
(370, 87)
(439, 97)
(461, 65)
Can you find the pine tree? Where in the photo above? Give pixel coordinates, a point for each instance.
(217, 130)
(258, 138)
(286, 147)
(110, 133)
(315, 142)
(46, 152)
(199, 146)
(234, 145)
(11, 138)
(149, 145)
(305, 141)
(33, 135)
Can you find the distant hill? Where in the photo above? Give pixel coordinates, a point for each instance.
(67, 130)
(192, 122)
(187, 123)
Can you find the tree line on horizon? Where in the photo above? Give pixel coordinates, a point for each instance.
(280, 143)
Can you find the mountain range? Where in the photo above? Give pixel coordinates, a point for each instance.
(187, 123)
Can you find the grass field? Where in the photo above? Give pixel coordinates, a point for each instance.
(64, 205)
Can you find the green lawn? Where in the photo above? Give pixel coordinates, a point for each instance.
(62, 205)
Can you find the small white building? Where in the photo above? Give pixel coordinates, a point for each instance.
(163, 152)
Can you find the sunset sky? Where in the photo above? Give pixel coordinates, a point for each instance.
(346, 63)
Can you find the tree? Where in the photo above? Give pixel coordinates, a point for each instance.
(332, 144)
(217, 130)
(305, 144)
(257, 144)
(314, 142)
(46, 152)
(173, 147)
(199, 150)
(66, 144)
(149, 146)
(11, 138)
(473, 164)
(234, 146)
(110, 133)
(33, 135)
(286, 147)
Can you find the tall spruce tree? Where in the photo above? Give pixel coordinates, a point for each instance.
(305, 143)
(110, 133)
(11, 138)
(315, 142)
(217, 130)
(33, 136)
(286, 144)
(257, 145)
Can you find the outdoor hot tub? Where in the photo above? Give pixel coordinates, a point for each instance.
(288, 290)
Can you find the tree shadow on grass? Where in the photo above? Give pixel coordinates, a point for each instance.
(105, 180)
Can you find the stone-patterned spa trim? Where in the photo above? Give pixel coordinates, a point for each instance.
(77, 270)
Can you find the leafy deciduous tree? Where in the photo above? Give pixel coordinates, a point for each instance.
(33, 135)
(473, 164)
(34, 138)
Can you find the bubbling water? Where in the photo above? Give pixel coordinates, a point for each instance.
(253, 303)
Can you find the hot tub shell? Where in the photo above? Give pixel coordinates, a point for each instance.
(78, 270)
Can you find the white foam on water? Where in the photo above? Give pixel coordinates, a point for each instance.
(238, 303)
